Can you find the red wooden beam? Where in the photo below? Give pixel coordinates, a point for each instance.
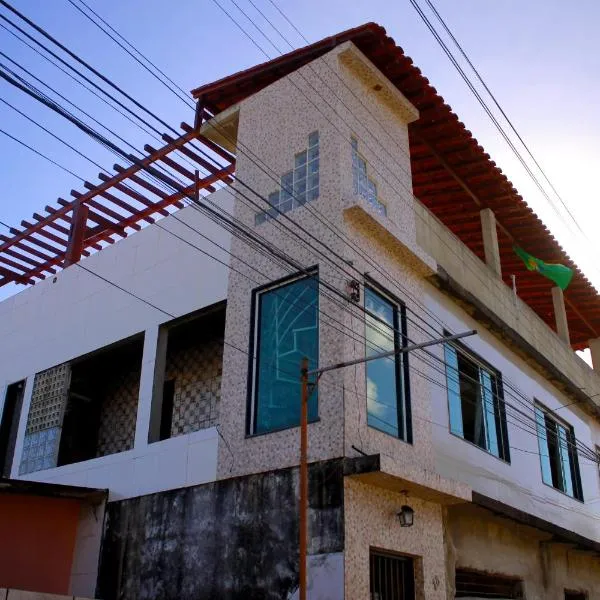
(76, 239)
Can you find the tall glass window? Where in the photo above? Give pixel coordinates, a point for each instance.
(558, 454)
(475, 403)
(286, 329)
(387, 405)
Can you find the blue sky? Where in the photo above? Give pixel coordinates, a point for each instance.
(539, 57)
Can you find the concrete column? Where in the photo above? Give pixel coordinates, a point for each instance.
(151, 359)
(595, 352)
(560, 315)
(490, 240)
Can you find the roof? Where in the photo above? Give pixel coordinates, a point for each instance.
(452, 174)
(113, 208)
(53, 490)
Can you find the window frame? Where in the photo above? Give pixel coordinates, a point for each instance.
(500, 416)
(402, 370)
(573, 455)
(254, 342)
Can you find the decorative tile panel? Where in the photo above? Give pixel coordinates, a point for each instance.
(197, 374)
(118, 414)
(44, 422)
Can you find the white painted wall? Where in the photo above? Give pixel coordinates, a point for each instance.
(518, 484)
(76, 312)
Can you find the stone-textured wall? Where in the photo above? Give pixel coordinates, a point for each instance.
(370, 521)
(234, 539)
(339, 96)
(478, 540)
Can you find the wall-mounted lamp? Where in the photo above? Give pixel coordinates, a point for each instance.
(406, 515)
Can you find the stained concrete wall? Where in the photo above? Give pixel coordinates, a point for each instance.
(228, 540)
(476, 539)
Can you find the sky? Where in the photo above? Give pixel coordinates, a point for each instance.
(540, 58)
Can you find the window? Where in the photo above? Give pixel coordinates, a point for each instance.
(569, 595)
(475, 401)
(392, 577)
(387, 398)
(9, 424)
(298, 186)
(364, 186)
(286, 329)
(474, 585)
(558, 454)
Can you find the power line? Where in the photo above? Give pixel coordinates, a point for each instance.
(112, 37)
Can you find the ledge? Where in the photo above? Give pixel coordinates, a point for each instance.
(362, 216)
(560, 534)
(383, 472)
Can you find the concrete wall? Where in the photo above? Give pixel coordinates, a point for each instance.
(476, 278)
(478, 540)
(518, 484)
(234, 539)
(75, 313)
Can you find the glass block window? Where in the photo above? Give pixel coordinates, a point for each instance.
(558, 454)
(286, 329)
(298, 186)
(475, 401)
(364, 186)
(387, 399)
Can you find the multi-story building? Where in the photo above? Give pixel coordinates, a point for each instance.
(362, 217)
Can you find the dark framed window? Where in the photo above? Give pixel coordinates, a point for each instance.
(392, 577)
(573, 595)
(475, 401)
(285, 330)
(474, 584)
(388, 402)
(558, 453)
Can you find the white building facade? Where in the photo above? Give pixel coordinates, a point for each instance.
(165, 368)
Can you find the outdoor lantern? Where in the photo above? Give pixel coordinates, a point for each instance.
(406, 516)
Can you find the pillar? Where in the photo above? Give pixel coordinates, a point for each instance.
(560, 315)
(147, 427)
(490, 240)
(595, 352)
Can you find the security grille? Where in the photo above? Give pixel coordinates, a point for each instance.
(476, 585)
(392, 577)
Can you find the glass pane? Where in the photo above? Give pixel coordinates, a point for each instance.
(313, 138)
(313, 153)
(300, 159)
(564, 460)
(543, 446)
(382, 384)
(312, 194)
(354, 144)
(288, 330)
(274, 199)
(300, 186)
(453, 384)
(287, 181)
(299, 173)
(313, 166)
(489, 404)
(313, 181)
(260, 218)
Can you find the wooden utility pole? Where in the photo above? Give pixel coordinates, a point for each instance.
(303, 477)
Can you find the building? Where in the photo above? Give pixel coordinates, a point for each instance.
(171, 378)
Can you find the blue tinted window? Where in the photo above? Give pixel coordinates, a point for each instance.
(287, 329)
(475, 403)
(386, 408)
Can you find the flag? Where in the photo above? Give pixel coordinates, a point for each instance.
(560, 274)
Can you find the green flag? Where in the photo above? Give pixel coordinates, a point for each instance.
(560, 274)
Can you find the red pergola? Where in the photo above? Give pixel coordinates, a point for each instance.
(452, 174)
(113, 208)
